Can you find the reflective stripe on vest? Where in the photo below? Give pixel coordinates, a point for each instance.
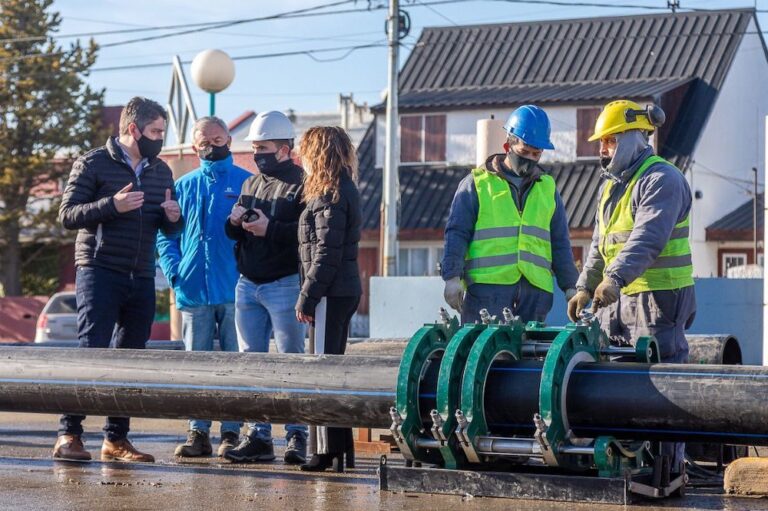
(672, 269)
(508, 244)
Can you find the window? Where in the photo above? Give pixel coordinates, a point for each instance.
(585, 126)
(422, 138)
(731, 260)
(418, 261)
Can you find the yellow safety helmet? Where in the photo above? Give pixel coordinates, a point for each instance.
(624, 115)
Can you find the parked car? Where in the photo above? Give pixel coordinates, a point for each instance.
(58, 320)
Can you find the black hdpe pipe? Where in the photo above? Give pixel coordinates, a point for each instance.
(625, 400)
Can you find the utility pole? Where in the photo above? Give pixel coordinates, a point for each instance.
(765, 238)
(754, 219)
(392, 157)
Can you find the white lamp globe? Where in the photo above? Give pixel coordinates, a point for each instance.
(213, 70)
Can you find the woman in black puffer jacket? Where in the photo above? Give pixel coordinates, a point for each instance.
(329, 233)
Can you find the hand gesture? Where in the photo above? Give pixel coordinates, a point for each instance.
(125, 200)
(236, 215)
(171, 207)
(259, 226)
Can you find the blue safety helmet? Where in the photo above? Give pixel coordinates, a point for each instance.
(530, 124)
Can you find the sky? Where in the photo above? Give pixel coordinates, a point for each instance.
(300, 82)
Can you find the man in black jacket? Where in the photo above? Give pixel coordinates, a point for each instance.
(265, 226)
(117, 198)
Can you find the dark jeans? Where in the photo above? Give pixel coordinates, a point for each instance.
(111, 306)
(335, 324)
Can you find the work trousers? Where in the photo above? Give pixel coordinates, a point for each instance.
(525, 300)
(664, 314)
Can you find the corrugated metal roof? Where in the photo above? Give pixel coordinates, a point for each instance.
(578, 51)
(740, 219)
(538, 93)
(427, 190)
(581, 60)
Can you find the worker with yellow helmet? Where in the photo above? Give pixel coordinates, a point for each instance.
(638, 271)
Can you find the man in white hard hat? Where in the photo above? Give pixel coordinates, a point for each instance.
(264, 225)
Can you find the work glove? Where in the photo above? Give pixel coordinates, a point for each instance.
(577, 303)
(607, 292)
(570, 293)
(454, 293)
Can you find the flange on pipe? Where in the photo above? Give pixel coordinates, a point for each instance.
(426, 347)
(497, 342)
(449, 394)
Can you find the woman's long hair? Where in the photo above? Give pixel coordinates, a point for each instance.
(326, 153)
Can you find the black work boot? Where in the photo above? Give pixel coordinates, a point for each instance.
(252, 450)
(228, 442)
(296, 452)
(198, 444)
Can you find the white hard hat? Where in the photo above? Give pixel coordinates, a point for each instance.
(272, 125)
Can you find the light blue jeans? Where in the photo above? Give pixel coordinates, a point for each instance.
(198, 329)
(260, 311)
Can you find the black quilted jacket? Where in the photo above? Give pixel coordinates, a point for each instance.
(328, 238)
(108, 239)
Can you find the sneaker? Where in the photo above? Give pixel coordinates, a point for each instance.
(198, 444)
(251, 450)
(296, 452)
(228, 442)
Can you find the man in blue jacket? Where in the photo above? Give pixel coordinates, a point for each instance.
(507, 232)
(199, 264)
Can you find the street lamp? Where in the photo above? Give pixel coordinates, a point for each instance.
(213, 71)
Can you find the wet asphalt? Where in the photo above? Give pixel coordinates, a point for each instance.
(31, 479)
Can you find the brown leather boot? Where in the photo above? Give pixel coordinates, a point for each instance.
(123, 450)
(70, 447)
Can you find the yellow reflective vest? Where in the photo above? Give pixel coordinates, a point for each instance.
(672, 269)
(509, 243)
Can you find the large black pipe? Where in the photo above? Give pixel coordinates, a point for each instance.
(627, 400)
(661, 401)
(333, 390)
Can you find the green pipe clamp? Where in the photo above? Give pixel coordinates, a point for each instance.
(495, 342)
(576, 343)
(425, 347)
(449, 392)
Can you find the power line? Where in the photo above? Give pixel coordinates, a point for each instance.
(349, 38)
(309, 53)
(287, 14)
(211, 25)
(298, 13)
(449, 20)
(568, 3)
(198, 27)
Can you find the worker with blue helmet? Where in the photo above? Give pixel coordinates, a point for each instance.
(507, 238)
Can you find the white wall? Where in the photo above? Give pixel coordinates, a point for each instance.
(731, 144)
(401, 305)
(461, 128)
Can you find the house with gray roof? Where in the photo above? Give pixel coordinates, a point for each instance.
(707, 70)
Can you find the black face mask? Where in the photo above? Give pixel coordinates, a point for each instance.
(214, 152)
(521, 166)
(605, 161)
(149, 148)
(266, 162)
